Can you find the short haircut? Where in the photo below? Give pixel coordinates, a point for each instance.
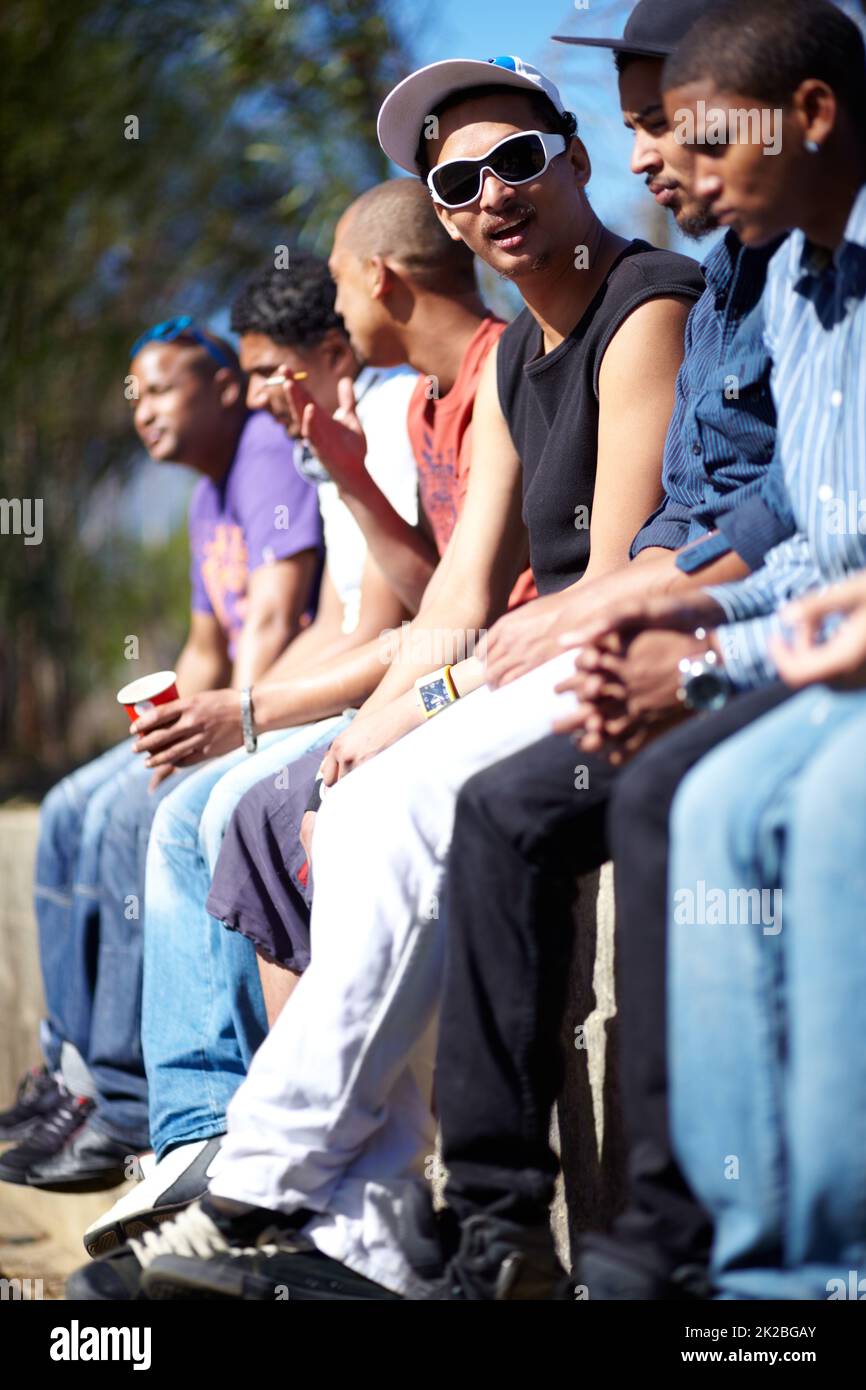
(397, 220)
(766, 48)
(621, 61)
(543, 109)
(294, 307)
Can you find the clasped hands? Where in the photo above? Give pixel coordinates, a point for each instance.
(627, 672)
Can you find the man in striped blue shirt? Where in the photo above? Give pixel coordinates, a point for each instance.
(736, 815)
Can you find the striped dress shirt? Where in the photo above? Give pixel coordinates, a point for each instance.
(815, 330)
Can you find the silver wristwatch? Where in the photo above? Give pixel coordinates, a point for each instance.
(703, 682)
(251, 742)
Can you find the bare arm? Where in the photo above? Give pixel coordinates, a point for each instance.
(636, 396)
(347, 674)
(316, 642)
(204, 661)
(403, 552)
(486, 553)
(277, 595)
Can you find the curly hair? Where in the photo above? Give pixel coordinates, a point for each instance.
(293, 307)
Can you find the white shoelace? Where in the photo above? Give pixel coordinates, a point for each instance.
(191, 1233)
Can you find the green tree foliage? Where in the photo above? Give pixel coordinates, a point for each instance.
(152, 152)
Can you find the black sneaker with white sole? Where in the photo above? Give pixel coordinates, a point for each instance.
(180, 1178)
(206, 1229)
(39, 1094)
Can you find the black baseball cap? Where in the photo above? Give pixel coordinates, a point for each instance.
(653, 29)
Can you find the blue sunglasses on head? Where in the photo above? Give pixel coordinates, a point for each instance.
(170, 330)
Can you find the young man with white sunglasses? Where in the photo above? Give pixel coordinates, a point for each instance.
(569, 428)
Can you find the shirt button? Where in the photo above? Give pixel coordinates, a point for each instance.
(825, 492)
(696, 449)
(836, 398)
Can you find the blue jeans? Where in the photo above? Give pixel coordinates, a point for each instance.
(114, 1052)
(203, 1011)
(767, 989)
(89, 902)
(66, 895)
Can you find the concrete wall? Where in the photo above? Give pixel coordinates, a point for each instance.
(590, 1136)
(20, 980)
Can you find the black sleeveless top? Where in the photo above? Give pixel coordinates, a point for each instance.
(550, 403)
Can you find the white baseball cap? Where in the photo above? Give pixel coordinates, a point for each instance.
(404, 111)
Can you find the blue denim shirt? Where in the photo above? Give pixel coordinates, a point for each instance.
(722, 437)
(815, 326)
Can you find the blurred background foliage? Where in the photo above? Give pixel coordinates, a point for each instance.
(255, 126)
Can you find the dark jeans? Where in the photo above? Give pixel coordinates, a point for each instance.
(524, 829)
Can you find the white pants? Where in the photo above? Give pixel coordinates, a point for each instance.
(332, 1117)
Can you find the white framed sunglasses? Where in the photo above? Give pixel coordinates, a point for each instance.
(517, 159)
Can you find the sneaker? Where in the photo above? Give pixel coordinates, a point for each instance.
(181, 1177)
(499, 1259)
(199, 1232)
(612, 1269)
(66, 1152)
(293, 1271)
(45, 1138)
(39, 1093)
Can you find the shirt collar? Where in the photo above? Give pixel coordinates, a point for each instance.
(737, 270)
(719, 267)
(815, 260)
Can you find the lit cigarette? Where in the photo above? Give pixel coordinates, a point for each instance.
(280, 379)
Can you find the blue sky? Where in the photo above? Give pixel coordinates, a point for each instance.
(488, 27)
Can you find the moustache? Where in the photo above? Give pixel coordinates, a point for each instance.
(490, 226)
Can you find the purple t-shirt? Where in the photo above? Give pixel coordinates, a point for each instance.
(262, 511)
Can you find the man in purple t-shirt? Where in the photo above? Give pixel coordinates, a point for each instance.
(244, 530)
(255, 546)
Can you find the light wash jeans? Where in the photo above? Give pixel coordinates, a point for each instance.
(768, 998)
(203, 1014)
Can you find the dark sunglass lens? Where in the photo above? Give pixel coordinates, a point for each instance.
(458, 182)
(519, 160)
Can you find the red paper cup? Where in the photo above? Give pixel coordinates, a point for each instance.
(147, 692)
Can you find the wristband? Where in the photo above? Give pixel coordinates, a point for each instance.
(251, 742)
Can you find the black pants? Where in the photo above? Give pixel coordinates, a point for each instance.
(524, 829)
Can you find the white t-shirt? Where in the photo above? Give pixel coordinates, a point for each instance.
(382, 402)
